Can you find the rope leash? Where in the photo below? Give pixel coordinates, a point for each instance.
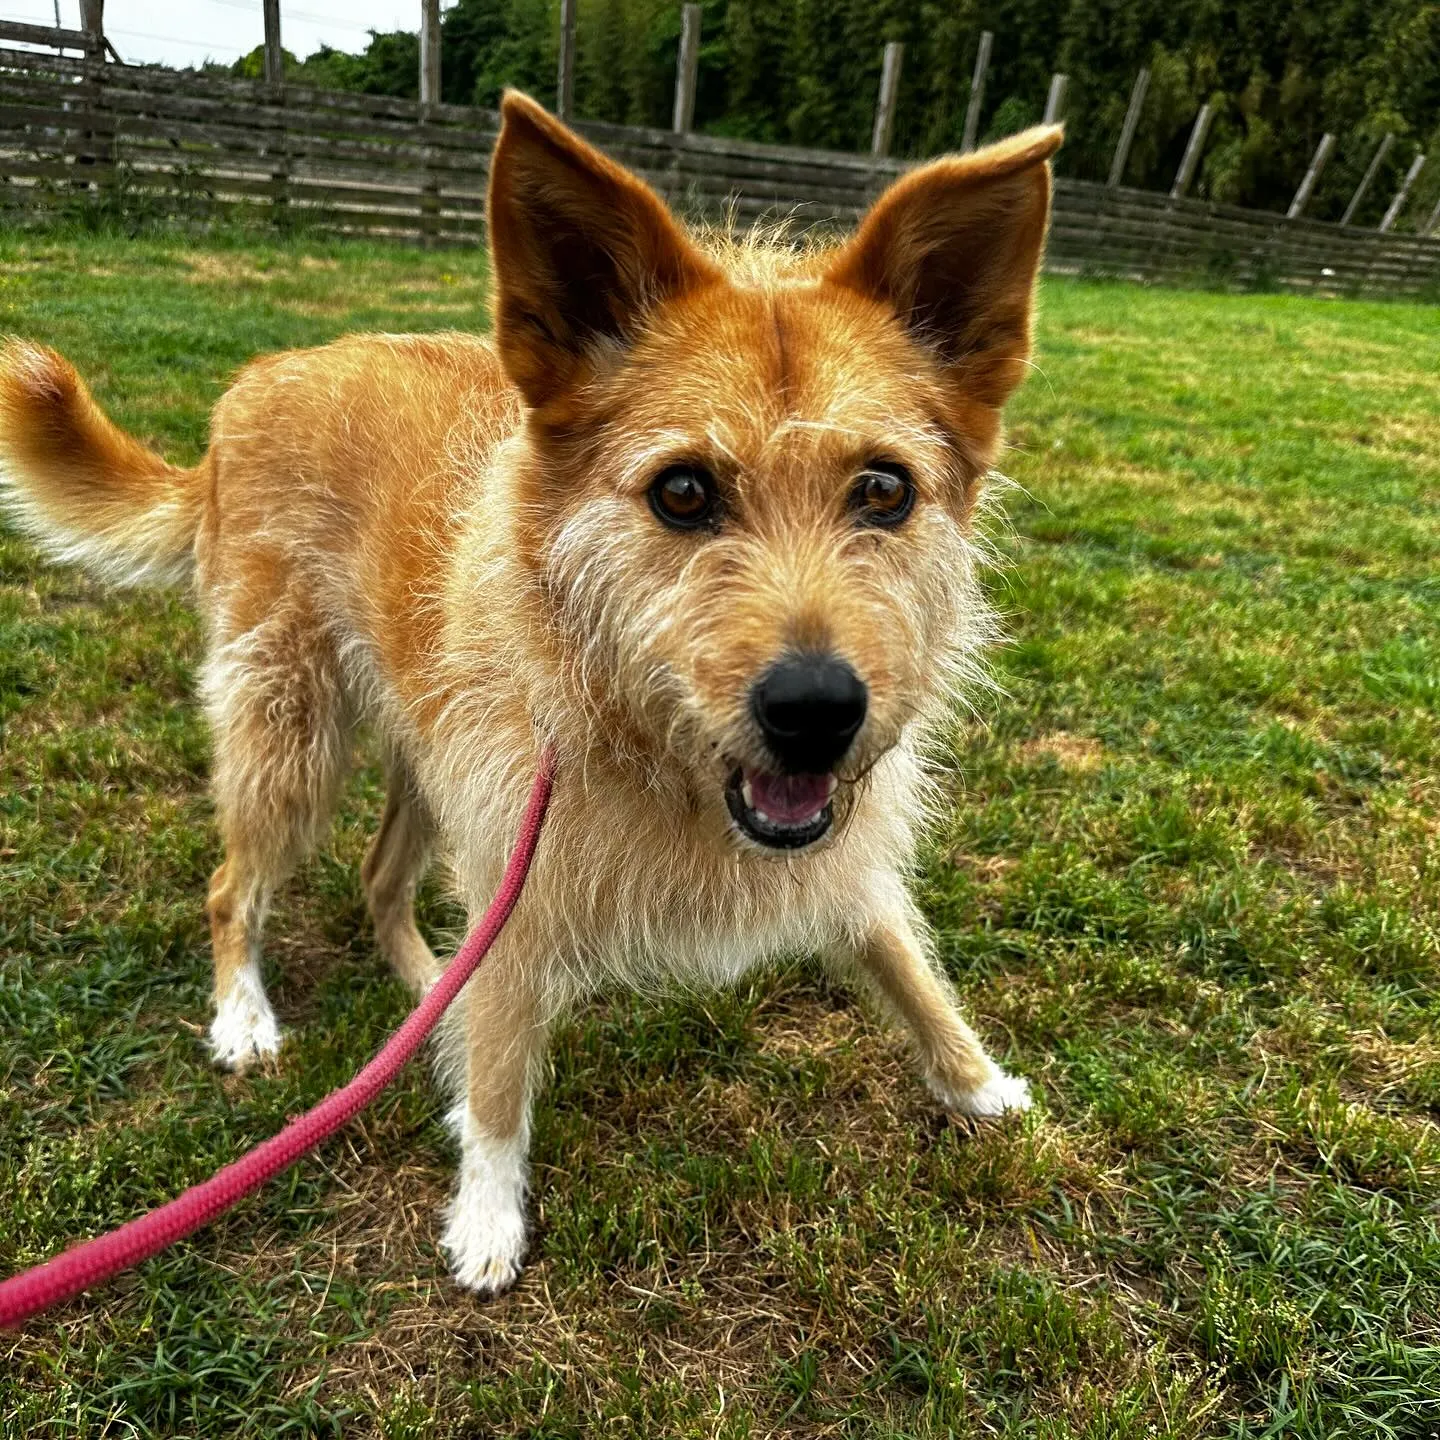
(92, 1262)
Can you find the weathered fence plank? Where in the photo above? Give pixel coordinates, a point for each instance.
(206, 148)
(45, 35)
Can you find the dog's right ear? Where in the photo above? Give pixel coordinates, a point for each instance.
(581, 249)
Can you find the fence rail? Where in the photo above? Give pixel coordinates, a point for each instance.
(77, 133)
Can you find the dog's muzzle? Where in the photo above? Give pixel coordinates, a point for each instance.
(808, 709)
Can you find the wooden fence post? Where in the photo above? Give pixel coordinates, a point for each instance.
(1312, 176)
(92, 22)
(278, 148)
(1055, 100)
(429, 95)
(1127, 130)
(1403, 194)
(565, 76)
(274, 55)
(429, 52)
(1433, 221)
(1365, 180)
(977, 91)
(99, 130)
(1191, 161)
(889, 94)
(687, 69)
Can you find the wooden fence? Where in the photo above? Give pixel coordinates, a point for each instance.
(80, 134)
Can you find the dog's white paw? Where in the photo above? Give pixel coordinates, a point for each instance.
(486, 1246)
(484, 1234)
(244, 1029)
(999, 1095)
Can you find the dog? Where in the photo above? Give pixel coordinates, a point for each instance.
(700, 515)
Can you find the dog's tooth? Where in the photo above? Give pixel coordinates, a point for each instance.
(831, 785)
(763, 818)
(747, 794)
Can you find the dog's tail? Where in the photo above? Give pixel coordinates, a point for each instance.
(85, 490)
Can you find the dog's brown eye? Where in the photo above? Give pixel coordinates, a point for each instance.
(683, 496)
(883, 495)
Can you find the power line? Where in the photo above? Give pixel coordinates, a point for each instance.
(173, 40)
(287, 13)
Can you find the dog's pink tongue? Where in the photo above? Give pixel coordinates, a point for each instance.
(788, 799)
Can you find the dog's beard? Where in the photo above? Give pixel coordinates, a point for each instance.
(631, 638)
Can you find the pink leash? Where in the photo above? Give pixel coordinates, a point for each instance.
(93, 1261)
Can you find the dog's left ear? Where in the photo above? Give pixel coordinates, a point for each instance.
(953, 248)
(581, 248)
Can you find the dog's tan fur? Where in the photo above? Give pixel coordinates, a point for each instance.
(448, 538)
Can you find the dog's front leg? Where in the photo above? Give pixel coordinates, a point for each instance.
(958, 1072)
(504, 1038)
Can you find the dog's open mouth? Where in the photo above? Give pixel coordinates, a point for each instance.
(781, 811)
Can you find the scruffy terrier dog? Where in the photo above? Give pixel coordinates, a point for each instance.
(699, 515)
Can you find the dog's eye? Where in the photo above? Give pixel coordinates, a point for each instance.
(683, 496)
(883, 495)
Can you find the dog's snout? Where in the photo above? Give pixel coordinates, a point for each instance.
(809, 708)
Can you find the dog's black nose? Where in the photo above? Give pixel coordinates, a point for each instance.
(809, 708)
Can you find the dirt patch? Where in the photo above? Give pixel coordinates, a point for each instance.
(1079, 753)
(208, 268)
(986, 868)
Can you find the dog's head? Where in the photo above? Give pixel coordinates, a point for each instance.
(754, 470)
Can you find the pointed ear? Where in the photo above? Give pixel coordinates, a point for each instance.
(580, 247)
(953, 248)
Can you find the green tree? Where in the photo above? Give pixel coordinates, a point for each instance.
(1278, 72)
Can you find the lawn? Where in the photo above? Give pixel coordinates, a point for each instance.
(1188, 886)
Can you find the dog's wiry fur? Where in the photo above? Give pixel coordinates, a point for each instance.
(448, 538)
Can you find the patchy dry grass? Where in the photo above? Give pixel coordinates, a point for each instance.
(1188, 887)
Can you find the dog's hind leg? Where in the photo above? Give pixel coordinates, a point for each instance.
(282, 746)
(958, 1072)
(392, 868)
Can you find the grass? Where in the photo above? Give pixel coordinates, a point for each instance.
(1189, 888)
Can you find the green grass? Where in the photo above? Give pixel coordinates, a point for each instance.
(1189, 888)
